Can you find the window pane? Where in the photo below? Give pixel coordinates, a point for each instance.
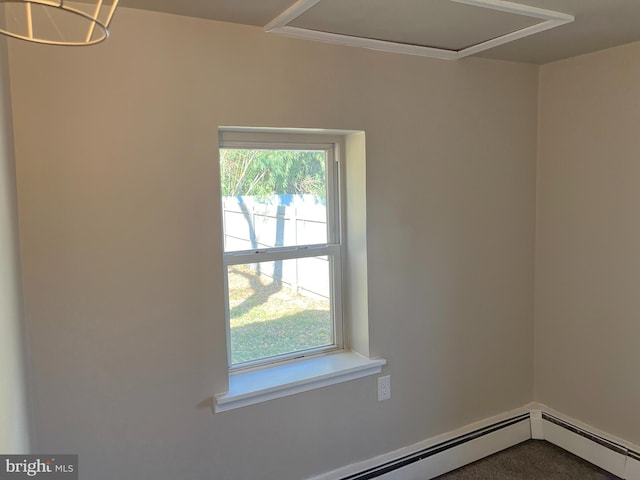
(273, 198)
(279, 307)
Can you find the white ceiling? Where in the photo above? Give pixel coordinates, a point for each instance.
(436, 23)
(417, 22)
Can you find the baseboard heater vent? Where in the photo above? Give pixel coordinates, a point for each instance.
(435, 449)
(585, 434)
(601, 441)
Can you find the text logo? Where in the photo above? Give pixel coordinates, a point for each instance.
(45, 467)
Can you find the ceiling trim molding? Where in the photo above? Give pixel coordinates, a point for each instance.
(550, 19)
(290, 14)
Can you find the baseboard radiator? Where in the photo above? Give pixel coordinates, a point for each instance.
(600, 449)
(448, 452)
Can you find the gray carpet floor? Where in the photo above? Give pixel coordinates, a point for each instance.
(531, 460)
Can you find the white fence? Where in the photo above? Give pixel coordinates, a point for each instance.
(284, 221)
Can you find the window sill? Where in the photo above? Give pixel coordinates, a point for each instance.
(256, 386)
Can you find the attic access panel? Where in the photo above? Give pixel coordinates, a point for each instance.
(448, 29)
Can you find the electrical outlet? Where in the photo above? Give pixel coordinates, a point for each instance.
(384, 388)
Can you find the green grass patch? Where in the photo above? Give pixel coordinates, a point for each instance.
(269, 319)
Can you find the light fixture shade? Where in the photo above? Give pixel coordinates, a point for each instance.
(57, 22)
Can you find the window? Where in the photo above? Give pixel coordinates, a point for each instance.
(282, 246)
(285, 255)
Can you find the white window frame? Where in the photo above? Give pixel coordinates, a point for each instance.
(333, 249)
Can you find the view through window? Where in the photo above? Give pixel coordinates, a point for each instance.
(281, 250)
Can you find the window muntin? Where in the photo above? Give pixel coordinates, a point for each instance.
(282, 251)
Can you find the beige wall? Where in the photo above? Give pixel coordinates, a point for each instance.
(14, 436)
(116, 152)
(588, 240)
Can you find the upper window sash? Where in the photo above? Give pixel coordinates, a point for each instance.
(332, 170)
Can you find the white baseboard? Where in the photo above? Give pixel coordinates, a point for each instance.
(605, 458)
(537, 427)
(441, 454)
(462, 454)
(447, 452)
(632, 469)
(612, 454)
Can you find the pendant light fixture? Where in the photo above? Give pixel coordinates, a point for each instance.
(57, 22)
